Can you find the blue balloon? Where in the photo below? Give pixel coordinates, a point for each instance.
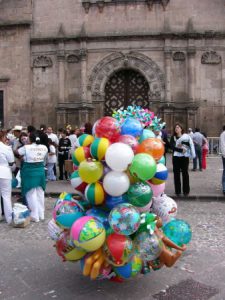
(112, 201)
(132, 127)
(162, 160)
(146, 134)
(178, 231)
(99, 214)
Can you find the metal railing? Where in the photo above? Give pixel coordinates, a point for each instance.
(214, 145)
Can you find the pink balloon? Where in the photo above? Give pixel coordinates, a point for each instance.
(128, 140)
(157, 189)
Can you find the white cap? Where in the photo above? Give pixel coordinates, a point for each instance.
(17, 128)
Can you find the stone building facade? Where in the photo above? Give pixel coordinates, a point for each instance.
(72, 61)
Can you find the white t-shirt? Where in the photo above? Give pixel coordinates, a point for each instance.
(6, 157)
(52, 158)
(33, 153)
(53, 137)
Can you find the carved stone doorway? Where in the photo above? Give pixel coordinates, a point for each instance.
(126, 87)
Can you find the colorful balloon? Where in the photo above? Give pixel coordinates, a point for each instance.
(88, 233)
(95, 193)
(130, 269)
(112, 201)
(178, 231)
(99, 148)
(161, 174)
(139, 194)
(164, 207)
(146, 134)
(67, 212)
(119, 156)
(118, 249)
(80, 154)
(100, 215)
(157, 189)
(132, 127)
(54, 231)
(66, 249)
(90, 170)
(143, 166)
(116, 183)
(162, 160)
(85, 140)
(77, 183)
(152, 146)
(124, 219)
(108, 127)
(129, 140)
(148, 246)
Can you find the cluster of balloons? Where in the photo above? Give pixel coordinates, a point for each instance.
(109, 224)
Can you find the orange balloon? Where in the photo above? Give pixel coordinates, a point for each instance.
(152, 146)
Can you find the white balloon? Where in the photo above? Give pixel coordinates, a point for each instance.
(116, 183)
(118, 156)
(164, 207)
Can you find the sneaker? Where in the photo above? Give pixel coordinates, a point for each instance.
(200, 170)
(193, 170)
(186, 195)
(34, 220)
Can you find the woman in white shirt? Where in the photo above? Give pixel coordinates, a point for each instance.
(51, 161)
(183, 149)
(33, 181)
(6, 161)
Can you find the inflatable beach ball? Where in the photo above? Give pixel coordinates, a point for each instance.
(118, 249)
(99, 147)
(124, 219)
(77, 183)
(130, 269)
(80, 154)
(95, 193)
(66, 213)
(88, 233)
(161, 174)
(178, 231)
(85, 140)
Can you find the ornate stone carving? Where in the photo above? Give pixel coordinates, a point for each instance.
(42, 61)
(162, 2)
(134, 60)
(178, 56)
(83, 54)
(211, 57)
(72, 58)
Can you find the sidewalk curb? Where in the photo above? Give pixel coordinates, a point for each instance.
(203, 198)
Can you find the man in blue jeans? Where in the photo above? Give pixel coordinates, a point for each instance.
(198, 140)
(222, 150)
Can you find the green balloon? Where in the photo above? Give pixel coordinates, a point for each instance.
(139, 194)
(143, 166)
(146, 134)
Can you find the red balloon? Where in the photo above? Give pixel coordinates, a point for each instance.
(108, 127)
(152, 146)
(128, 140)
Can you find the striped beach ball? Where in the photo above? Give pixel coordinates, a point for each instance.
(99, 147)
(95, 193)
(77, 183)
(85, 139)
(80, 154)
(161, 174)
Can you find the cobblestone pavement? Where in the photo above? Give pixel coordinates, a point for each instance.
(30, 268)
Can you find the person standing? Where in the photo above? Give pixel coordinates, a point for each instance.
(63, 154)
(222, 150)
(198, 140)
(6, 162)
(51, 161)
(205, 150)
(183, 148)
(33, 181)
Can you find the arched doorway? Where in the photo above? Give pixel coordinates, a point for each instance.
(125, 87)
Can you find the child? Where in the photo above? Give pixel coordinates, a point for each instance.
(51, 161)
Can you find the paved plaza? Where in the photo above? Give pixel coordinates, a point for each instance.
(31, 269)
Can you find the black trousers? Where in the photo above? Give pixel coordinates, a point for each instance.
(180, 166)
(61, 161)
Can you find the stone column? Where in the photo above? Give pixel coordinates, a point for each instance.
(83, 57)
(191, 73)
(167, 55)
(223, 82)
(61, 60)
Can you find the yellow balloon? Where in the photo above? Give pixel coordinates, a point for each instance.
(90, 171)
(75, 254)
(94, 244)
